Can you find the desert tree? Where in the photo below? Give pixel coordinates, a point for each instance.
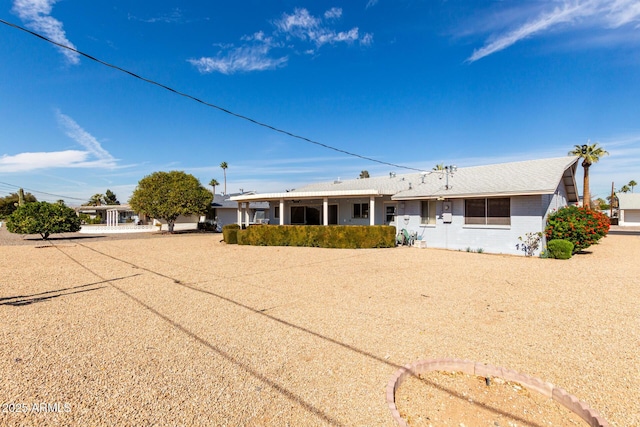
(590, 154)
(43, 218)
(110, 198)
(214, 183)
(167, 195)
(224, 167)
(364, 174)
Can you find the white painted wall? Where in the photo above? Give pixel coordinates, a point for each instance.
(526, 216)
(629, 218)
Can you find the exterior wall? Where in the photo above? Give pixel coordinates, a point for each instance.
(345, 210)
(526, 216)
(629, 217)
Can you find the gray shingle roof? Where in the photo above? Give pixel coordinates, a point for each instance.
(628, 200)
(525, 177)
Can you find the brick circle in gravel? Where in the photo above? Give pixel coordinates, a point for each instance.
(455, 392)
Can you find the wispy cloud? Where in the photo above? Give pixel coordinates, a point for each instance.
(371, 3)
(172, 17)
(256, 53)
(36, 14)
(302, 25)
(608, 14)
(245, 58)
(93, 155)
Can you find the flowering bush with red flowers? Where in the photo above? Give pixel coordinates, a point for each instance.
(581, 226)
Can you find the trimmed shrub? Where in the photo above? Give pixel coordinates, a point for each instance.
(230, 233)
(560, 249)
(581, 226)
(332, 236)
(44, 219)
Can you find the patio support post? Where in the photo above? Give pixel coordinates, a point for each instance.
(239, 215)
(372, 210)
(247, 220)
(281, 211)
(325, 211)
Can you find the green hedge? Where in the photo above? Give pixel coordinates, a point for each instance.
(331, 236)
(560, 249)
(230, 233)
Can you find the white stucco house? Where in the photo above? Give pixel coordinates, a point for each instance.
(628, 209)
(479, 208)
(224, 210)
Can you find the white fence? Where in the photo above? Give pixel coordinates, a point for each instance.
(125, 228)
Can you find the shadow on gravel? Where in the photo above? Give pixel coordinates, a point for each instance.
(20, 300)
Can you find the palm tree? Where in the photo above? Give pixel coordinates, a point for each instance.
(625, 189)
(213, 183)
(590, 153)
(95, 200)
(224, 167)
(632, 184)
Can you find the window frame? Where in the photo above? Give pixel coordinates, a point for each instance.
(363, 211)
(430, 217)
(498, 207)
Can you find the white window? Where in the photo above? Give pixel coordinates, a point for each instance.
(428, 212)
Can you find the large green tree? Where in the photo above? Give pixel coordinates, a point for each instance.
(110, 198)
(9, 204)
(590, 154)
(167, 195)
(44, 219)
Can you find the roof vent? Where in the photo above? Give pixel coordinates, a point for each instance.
(337, 181)
(392, 174)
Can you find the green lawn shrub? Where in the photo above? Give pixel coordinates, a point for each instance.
(332, 236)
(559, 249)
(230, 233)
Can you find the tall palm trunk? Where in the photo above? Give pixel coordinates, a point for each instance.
(225, 180)
(586, 194)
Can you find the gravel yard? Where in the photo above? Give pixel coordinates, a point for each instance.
(173, 330)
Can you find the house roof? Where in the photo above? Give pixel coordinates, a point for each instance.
(628, 200)
(515, 178)
(119, 208)
(226, 201)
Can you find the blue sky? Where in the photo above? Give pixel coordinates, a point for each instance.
(408, 82)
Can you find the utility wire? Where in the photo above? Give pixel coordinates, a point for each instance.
(224, 110)
(41, 192)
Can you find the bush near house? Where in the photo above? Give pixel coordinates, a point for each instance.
(332, 236)
(230, 233)
(559, 249)
(581, 226)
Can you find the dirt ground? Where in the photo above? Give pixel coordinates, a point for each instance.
(184, 330)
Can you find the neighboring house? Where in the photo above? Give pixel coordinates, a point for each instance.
(225, 211)
(109, 214)
(628, 209)
(121, 218)
(481, 207)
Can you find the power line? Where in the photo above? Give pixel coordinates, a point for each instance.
(41, 192)
(208, 104)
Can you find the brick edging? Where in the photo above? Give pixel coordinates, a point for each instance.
(473, 368)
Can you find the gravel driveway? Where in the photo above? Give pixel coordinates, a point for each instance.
(172, 330)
